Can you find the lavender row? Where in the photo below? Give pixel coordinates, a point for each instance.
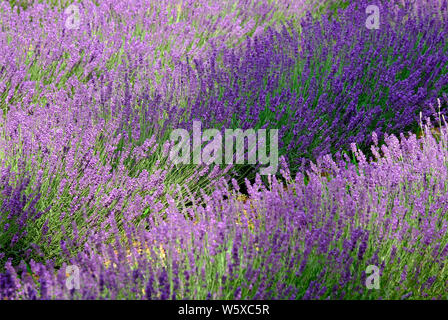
(312, 238)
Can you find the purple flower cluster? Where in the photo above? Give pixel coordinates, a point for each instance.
(18, 217)
(311, 240)
(332, 84)
(92, 208)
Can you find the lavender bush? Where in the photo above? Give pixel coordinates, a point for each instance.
(18, 218)
(333, 83)
(87, 184)
(312, 240)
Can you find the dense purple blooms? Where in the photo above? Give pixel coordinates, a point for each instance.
(92, 208)
(371, 81)
(280, 235)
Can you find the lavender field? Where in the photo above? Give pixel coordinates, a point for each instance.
(99, 199)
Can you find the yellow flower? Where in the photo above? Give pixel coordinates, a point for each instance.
(250, 223)
(179, 10)
(242, 198)
(162, 253)
(140, 249)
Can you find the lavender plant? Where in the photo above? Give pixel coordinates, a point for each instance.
(312, 240)
(333, 84)
(18, 217)
(86, 183)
